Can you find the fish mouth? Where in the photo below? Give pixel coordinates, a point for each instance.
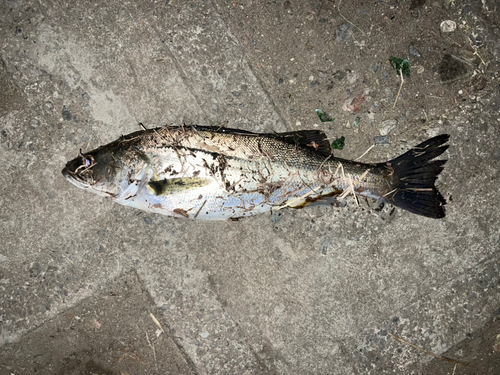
(80, 182)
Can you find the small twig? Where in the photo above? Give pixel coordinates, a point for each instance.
(152, 347)
(454, 368)
(427, 352)
(341, 15)
(197, 213)
(400, 87)
(156, 322)
(366, 152)
(223, 125)
(353, 191)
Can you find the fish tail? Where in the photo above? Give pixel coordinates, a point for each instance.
(415, 173)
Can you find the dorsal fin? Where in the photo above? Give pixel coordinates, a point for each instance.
(314, 140)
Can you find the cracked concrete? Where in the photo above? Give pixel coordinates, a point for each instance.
(311, 291)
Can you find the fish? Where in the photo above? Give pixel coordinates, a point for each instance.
(217, 173)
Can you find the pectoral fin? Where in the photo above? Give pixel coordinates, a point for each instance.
(177, 185)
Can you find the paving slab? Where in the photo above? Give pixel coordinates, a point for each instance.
(313, 291)
(114, 332)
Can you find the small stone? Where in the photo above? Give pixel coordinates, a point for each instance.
(448, 26)
(344, 31)
(35, 123)
(324, 247)
(496, 153)
(276, 216)
(466, 10)
(376, 67)
(85, 95)
(236, 93)
(204, 335)
(148, 220)
(319, 6)
(323, 75)
(49, 106)
(415, 53)
(4, 134)
(66, 114)
(381, 140)
(18, 31)
(387, 126)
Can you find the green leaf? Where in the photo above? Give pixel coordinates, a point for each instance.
(356, 122)
(400, 65)
(339, 143)
(323, 116)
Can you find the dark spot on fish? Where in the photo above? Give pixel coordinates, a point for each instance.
(196, 173)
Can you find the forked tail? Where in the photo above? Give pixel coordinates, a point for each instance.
(414, 176)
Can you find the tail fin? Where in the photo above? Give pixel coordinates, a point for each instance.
(414, 176)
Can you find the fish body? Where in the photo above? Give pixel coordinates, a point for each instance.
(211, 173)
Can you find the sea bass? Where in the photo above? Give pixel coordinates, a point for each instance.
(211, 173)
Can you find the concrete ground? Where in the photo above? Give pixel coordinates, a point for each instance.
(91, 287)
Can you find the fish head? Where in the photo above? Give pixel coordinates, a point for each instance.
(109, 171)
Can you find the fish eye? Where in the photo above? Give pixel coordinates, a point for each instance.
(87, 161)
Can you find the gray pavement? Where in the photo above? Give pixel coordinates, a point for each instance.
(88, 286)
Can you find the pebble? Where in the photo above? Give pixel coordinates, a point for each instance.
(148, 220)
(415, 53)
(324, 247)
(35, 123)
(276, 216)
(448, 26)
(496, 153)
(386, 126)
(49, 106)
(344, 31)
(381, 140)
(466, 10)
(66, 114)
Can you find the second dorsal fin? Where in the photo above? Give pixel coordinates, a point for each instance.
(315, 140)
